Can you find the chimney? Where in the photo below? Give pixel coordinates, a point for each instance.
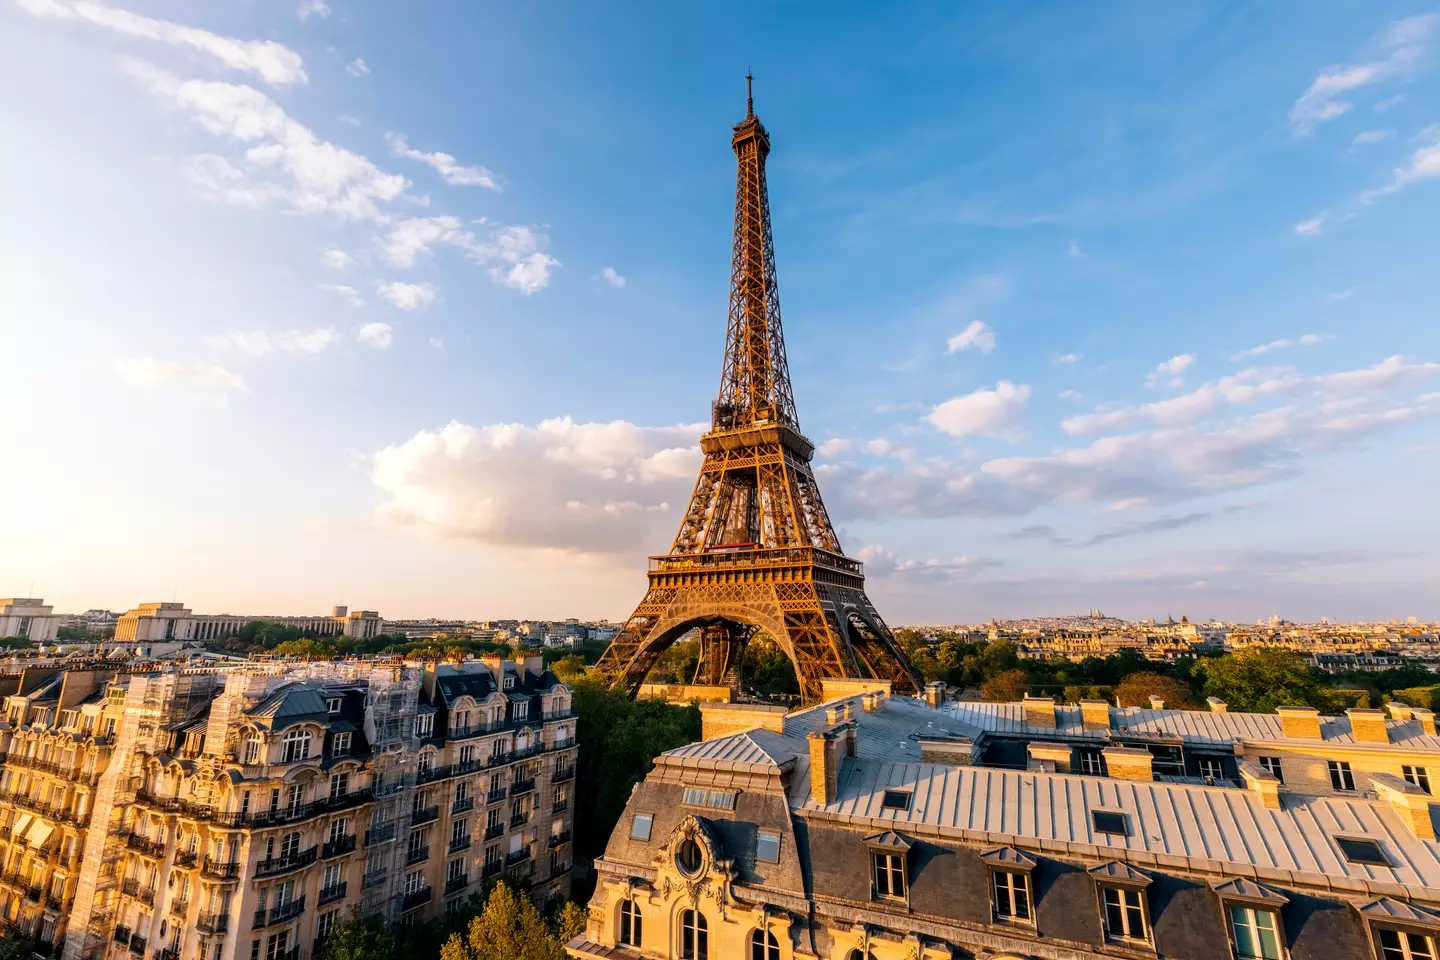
(1398, 711)
(1095, 714)
(1367, 725)
(1299, 723)
(1426, 716)
(1408, 800)
(845, 713)
(872, 702)
(1128, 763)
(833, 715)
(825, 749)
(935, 693)
(1262, 783)
(1216, 704)
(1039, 712)
(1046, 755)
(1157, 703)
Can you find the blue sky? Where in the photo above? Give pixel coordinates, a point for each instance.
(420, 307)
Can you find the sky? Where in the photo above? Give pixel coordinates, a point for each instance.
(420, 307)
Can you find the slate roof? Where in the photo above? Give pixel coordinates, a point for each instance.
(290, 704)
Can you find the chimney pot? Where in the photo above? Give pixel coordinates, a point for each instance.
(1426, 716)
(1367, 725)
(1157, 703)
(1299, 723)
(1216, 704)
(1095, 714)
(1039, 711)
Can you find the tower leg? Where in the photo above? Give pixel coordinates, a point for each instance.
(722, 652)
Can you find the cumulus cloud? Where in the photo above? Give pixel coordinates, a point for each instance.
(975, 336)
(337, 259)
(834, 446)
(152, 374)
(1169, 372)
(1284, 343)
(985, 412)
(347, 293)
(1068, 358)
(357, 68)
(453, 172)
(377, 335)
(577, 487)
(1403, 45)
(283, 159)
(513, 256)
(407, 296)
(1246, 386)
(260, 343)
(312, 8)
(880, 562)
(274, 63)
(610, 276)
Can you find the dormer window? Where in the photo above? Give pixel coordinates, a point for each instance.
(341, 746)
(253, 746)
(1400, 945)
(1122, 901)
(332, 705)
(889, 856)
(522, 710)
(509, 683)
(424, 725)
(295, 746)
(1010, 895)
(1252, 912)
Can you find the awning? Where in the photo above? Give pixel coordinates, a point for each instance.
(21, 824)
(39, 832)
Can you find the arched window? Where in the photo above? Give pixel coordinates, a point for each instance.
(252, 748)
(296, 746)
(764, 946)
(629, 923)
(858, 955)
(694, 936)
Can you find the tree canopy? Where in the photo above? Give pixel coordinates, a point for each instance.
(1259, 679)
(358, 937)
(1137, 689)
(509, 928)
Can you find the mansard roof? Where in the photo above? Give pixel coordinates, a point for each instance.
(289, 705)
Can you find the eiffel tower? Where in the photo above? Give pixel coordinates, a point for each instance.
(756, 552)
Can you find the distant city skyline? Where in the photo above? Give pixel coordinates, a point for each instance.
(423, 310)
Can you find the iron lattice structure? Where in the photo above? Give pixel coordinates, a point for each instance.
(756, 552)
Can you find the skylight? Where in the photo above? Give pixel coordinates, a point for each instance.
(1358, 850)
(896, 800)
(1111, 823)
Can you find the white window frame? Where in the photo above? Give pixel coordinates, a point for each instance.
(1249, 916)
(1129, 904)
(1091, 763)
(295, 746)
(888, 871)
(1272, 766)
(340, 746)
(1010, 900)
(630, 927)
(1210, 767)
(1404, 947)
(1418, 776)
(1342, 778)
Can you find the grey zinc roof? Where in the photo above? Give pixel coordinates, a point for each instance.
(752, 748)
(290, 704)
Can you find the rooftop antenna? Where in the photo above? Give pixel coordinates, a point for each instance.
(749, 95)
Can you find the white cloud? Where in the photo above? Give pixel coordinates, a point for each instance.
(272, 62)
(1070, 395)
(1307, 340)
(880, 562)
(283, 159)
(1312, 227)
(407, 296)
(1371, 136)
(453, 172)
(975, 336)
(612, 277)
(1339, 295)
(1169, 372)
(152, 374)
(260, 343)
(1424, 165)
(1405, 42)
(513, 256)
(522, 262)
(1390, 372)
(834, 446)
(409, 238)
(1068, 358)
(1074, 252)
(437, 343)
(348, 119)
(309, 8)
(1389, 103)
(337, 259)
(349, 294)
(357, 68)
(589, 488)
(377, 335)
(989, 413)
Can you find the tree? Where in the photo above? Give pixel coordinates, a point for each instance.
(509, 928)
(569, 667)
(1137, 689)
(1005, 687)
(17, 946)
(569, 922)
(1259, 679)
(358, 937)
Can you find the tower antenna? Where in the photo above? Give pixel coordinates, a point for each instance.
(749, 95)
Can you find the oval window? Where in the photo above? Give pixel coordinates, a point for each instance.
(689, 859)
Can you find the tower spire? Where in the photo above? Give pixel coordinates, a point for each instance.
(749, 96)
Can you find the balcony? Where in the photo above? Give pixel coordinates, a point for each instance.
(373, 880)
(459, 843)
(129, 887)
(560, 806)
(381, 834)
(517, 856)
(146, 896)
(284, 815)
(424, 815)
(564, 744)
(145, 846)
(556, 839)
(168, 953)
(495, 796)
(279, 914)
(338, 847)
(137, 944)
(213, 923)
(215, 870)
(456, 884)
(186, 858)
(492, 867)
(564, 714)
(494, 830)
(463, 805)
(53, 904)
(520, 819)
(179, 908)
(278, 865)
(560, 776)
(521, 787)
(417, 855)
(416, 898)
(122, 935)
(33, 894)
(292, 954)
(332, 893)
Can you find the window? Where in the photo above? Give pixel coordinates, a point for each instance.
(1092, 763)
(459, 831)
(1210, 768)
(424, 764)
(694, 936)
(1359, 850)
(338, 828)
(1012, 895)
(331, 879)
(252, 749)
(324, 924)
(462, 791)
(896, 800)
(467, 753)
(889, 874)
(290, 846)
(497, 749)
(424, 725)
(492, 853)
(629, 923)
(492, 818)
(689, 859)
(1417, 776)
(522, 710)
(1255, 933)
(1111, 823)
(1272, 766)
(455, 869)
(339, 785)
(332, 704)
(414, 881)
(764, 946)
(277, 945)
(1124, 914)
(640, 826)
(509, 683)
(295, 746)
(1397, 945)
(767, 846)
(713, 799)
(341, 745)
(1340, 776)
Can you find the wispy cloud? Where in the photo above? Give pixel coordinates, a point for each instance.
(453, 172)
(312, 8)
(260, 343)
(975, 336)
(513, 256)
(1284, 343)
(1346, 294)
(1068, 358)
(274, 63)
(337, 259)
(1424, 165)
(1312, 227)
(1365, 137)
(407, 296)
(1169, 372)
(349, 294)
(151, 374)
(357, 68)
(1403, 45)
(610, 276)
